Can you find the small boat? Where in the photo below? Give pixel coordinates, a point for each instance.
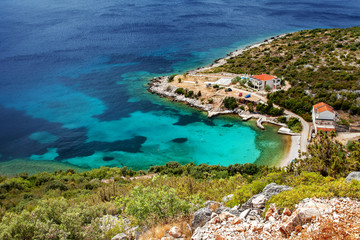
(247, 96)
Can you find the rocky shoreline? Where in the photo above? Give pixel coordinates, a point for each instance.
(161, 87)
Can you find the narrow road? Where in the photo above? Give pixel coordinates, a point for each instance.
(304, 133)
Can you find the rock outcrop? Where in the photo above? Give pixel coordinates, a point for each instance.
(338, 217)
(201, 217)
(353, 175)
(215, 212)
(161, 87)
(258, 201)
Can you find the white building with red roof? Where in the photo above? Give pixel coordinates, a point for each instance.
(263, 80)
(324, 117)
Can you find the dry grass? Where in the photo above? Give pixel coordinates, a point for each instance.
(160, 230)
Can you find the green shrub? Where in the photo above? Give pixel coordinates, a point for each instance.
(282, 119)
(51, 219)
(56, 185)
(150, 206)
(171, 78)
(230, 103)
(326, 187)
(245, 192)
(180, 91)
(236, 80)
(294, 124)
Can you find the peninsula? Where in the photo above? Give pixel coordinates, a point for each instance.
(278, 81)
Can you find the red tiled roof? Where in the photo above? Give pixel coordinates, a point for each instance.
(326, 129)
(320, 104)
(264, 77)
(325, 108)
(321, 107)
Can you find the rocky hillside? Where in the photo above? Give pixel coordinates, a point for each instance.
(176, 202)
(337, 218)
(315, 218)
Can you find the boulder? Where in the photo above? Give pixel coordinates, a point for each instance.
(201, 217)
(175, 232)
(244, 213)
(121, 236)
(289, 226)
(307, 211)
(307, 214)
(274, 189)
(353, 175)
(258, 201)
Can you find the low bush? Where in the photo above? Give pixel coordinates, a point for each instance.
(150, 206)
(230, 103)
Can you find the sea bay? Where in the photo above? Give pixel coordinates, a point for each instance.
(74, 74)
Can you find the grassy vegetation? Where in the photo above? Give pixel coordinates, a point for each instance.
(320, 64)
(269, 109)
(69, 205)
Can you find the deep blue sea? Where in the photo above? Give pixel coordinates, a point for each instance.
(74, 74)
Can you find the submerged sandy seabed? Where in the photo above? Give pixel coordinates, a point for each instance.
(16, 166)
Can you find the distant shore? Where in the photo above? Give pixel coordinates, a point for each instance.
(237, 52)
(161, 87)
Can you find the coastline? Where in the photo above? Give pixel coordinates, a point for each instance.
(161, 87)
(220, 61)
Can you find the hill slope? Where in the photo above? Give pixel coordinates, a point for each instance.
(320, 65)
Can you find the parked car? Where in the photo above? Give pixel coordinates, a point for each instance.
(240, 94)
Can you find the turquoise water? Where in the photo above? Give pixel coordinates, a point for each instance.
(74, 74)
